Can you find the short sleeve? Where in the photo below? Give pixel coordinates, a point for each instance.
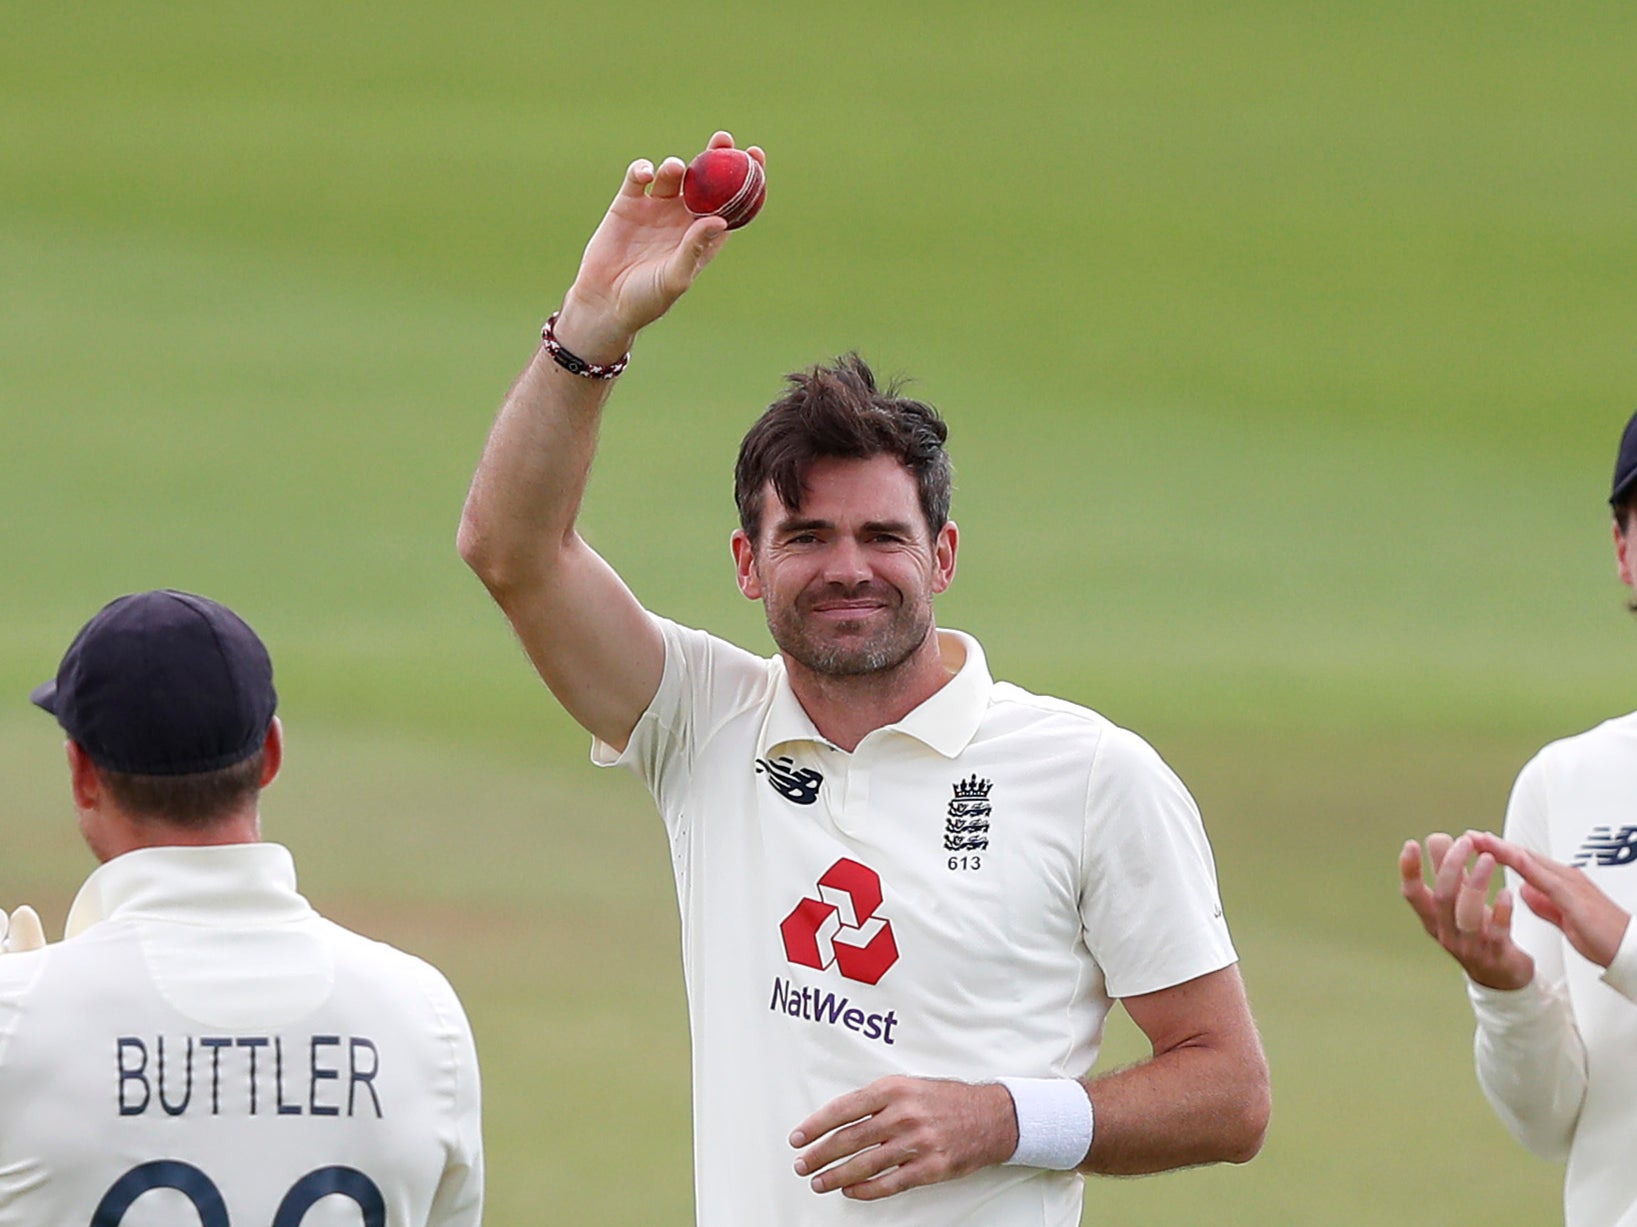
(1150, 907)
(706, 681)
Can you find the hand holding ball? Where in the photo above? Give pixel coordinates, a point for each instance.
(726, 183)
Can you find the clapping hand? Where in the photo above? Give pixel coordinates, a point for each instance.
(1456, 911)
(1563, 896)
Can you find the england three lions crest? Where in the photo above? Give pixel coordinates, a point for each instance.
(966, 828)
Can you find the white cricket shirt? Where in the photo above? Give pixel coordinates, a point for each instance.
(1558, 1058)
(206, 1049)
(961, 896)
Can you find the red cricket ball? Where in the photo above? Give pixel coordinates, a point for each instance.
(726, 182)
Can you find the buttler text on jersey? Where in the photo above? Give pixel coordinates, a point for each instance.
(253, 1075)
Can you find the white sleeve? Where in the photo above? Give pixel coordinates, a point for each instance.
(706, 681)
(1150, 911)
(1621, 975)
(1530, 1058)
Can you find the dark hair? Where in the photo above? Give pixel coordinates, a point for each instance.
(837, 411)
(1622, 513)
(191, 801)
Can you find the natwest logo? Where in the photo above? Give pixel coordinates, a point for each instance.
(840, 927)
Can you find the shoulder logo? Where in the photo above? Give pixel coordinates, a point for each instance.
(966, 825)
(1607, 847)
(800, 785)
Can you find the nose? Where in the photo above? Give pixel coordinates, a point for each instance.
(846, 562)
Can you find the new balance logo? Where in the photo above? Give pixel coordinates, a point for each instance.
(800, 786)
(840, 928)
(1607, 847)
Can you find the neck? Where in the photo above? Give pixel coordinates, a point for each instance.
(125, 834)
(848, 708)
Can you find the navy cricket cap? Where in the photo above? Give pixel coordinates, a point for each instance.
(164, 683)
(1625, 465)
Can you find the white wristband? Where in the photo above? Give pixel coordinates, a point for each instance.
(1054, 1122)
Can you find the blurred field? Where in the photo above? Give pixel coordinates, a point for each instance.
(1285, 348)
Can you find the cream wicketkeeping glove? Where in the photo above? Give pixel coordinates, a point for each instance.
(23, 932)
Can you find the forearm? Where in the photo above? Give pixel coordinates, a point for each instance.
(588, 637)
(520, 513)
(521, 508)
(1189, 1105)
(1531, 1063)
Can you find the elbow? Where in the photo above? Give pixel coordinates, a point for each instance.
(1244, 1133)
(473, 545)
(1251, 1129)
(479, 550)
(512, 566)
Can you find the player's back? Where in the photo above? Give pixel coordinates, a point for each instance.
(213, 1051)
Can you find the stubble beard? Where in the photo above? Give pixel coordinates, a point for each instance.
(796, 633)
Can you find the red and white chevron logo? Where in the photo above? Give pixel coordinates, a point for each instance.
(840, 928)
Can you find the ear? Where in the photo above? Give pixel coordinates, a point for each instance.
(744, 565)
(1622, 556)
(272, 752)
(943, 555)
(83, 778)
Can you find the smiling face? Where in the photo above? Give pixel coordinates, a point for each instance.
(847, 579)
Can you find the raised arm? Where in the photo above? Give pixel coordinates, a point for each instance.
(591, 641)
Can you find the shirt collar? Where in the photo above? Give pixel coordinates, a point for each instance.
(228, 883)
(945, 722)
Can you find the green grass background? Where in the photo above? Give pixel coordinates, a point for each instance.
(1285, 347)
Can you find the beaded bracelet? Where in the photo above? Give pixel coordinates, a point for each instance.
(574, 364)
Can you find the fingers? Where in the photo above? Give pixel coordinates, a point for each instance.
(1458, 899)
(843, 1110)
(851, 1143)
(1451, 868)
(1456, 911)
(1414, 888)
(1514, 857)
(1409, 864)
(724, 140)
(697, 249)
(1438, 846)
(667, 179)
(1471, 898)
(1462, 896)
(637, 178)
(857, 1153)
(664, 182)
(26, 931)
(1540, 903)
